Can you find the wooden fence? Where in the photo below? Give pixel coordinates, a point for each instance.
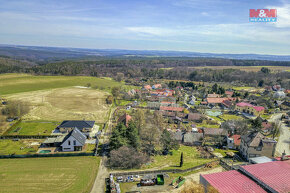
(46, 155)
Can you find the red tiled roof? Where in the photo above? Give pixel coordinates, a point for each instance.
(229, 93)
(147, 87)
(171, 108)
(266, 125)
(275, 174)
(232, 182)
(237, 139)
(242, 104)
(259, 108)
(125, 118)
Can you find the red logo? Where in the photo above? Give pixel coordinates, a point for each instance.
(263, 13)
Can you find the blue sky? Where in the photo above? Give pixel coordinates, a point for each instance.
(216, 26)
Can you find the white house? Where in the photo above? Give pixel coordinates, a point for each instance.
(74, 141)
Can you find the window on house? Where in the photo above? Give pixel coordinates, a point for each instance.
(75, 142)
(68, 142)
(259, 148)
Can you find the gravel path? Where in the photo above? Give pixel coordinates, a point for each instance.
(284, 138)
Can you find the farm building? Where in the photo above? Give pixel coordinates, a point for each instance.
(271, 176)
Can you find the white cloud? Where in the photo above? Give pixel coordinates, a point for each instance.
(283, 15)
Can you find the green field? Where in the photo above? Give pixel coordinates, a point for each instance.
(17, 83)
(32, 128)
(20, 147)
(48, 175)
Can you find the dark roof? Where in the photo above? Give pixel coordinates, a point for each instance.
(255, 139)
(77, 124)
(192, 137)
(194, 116)
(214, 131)
(77, 135)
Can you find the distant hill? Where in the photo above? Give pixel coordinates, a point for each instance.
(45, 54)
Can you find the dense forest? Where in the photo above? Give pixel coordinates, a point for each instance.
(156, 67)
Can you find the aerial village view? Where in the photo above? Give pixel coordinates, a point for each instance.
(163, 109)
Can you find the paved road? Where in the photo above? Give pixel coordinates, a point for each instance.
(284, 138)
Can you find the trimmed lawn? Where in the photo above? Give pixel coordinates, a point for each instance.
(230, 117)
(20, 147)
(32, 128)
(17, 83)
(57, 174)
(191, 158)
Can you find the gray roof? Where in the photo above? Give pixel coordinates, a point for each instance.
(77, 135)
(259, 160)
(192, 137)
(77, 124)
(178, 135)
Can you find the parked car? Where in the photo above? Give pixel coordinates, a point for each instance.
(120, 179)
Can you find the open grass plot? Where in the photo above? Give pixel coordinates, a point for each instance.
(71, 103)
(17, 83)
(20, 147)
(33, 128)
(191, 158)
(48, 175)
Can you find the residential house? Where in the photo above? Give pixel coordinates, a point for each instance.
(285, 105)
(74, 141)
(156, 86)
(213, 132)
(192, 138)
(213, 95)
(229, 93)
(172, 109)
(125, 119)
(196, 117)
(267, 127)
(279, 95)
(250, 109)
(147, 87)
(256, 145)
(86, 127)
(233, 142)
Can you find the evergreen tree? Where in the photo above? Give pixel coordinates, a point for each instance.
(181, 159)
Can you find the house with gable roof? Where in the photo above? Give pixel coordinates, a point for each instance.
(74, 141)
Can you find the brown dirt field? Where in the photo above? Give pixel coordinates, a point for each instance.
(65, 103)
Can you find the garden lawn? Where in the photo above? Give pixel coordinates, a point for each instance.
(45, 175)
(191, 158)
(230, 117)
(20, 147)
(32, 128)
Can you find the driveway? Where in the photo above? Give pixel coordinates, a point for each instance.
(284, 138)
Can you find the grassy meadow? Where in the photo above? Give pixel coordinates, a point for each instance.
(17, 83)
(48, 175)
